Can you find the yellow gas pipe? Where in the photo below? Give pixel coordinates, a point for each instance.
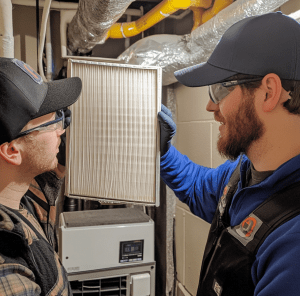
(217, 7)
(197, 16)
(158, 13)
(202, 15)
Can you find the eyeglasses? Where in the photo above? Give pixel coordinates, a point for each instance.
(57, 123)
(219, 91)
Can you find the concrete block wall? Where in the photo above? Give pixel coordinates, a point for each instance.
(197, 135)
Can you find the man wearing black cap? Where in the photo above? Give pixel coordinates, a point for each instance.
(31, 123)
(253, 199)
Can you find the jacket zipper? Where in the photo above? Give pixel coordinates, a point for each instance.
(209, 264)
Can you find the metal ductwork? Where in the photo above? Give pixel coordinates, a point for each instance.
(94, 18)
(172, 52)
(92, 21)
(95, 21)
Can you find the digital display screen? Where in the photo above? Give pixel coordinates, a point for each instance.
(131, 251)
(132, 248)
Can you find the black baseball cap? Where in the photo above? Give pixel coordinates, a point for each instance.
(256, 45)
(25, 96)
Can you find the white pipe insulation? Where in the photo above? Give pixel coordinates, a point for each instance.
(48, 52)
(6, 29)
(43, 30)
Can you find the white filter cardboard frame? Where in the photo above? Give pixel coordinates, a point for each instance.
(113, 141)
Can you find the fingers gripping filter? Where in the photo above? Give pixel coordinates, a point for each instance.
(256, 45)
(24, 96)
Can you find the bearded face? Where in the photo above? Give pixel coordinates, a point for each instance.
(239, 130)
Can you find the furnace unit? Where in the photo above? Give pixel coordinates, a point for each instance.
(108, 252)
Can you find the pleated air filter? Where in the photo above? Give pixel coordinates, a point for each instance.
(113, 147)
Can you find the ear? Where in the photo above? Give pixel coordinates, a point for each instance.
(10, 152)
(271, 84)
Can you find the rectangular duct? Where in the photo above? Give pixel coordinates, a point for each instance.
(113, 144)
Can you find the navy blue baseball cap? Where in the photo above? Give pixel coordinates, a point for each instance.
(256, 45)
(25, 96)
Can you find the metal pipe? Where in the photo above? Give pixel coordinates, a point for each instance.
(48, 52)
(45, 16)
(95, 21)
(155, 15)
(161, 11)
(6, 29)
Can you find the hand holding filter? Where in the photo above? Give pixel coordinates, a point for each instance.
(167, 129)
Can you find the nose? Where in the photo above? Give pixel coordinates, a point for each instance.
(60, 131)
(211, 106)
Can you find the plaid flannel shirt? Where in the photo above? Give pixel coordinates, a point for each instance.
(29, 264)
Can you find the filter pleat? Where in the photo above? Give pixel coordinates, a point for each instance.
(113, 136)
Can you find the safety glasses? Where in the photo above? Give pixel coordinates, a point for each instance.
(219, 91)
(57, 123)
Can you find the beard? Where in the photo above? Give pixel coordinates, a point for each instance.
(242, 129)
(38, 158)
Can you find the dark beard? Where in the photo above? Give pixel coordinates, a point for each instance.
(243, 130)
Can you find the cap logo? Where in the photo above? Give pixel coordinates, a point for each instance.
(29, 71)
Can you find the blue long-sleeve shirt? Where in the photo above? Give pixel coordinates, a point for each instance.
(276, 269)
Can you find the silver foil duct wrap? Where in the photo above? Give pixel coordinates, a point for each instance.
(92, 21)
(173, 52)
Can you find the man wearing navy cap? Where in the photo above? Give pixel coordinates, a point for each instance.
(252, 200)
(32, 119)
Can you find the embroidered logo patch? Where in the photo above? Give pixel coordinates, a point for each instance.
(247, 226)
(29, 71)
(245, 231)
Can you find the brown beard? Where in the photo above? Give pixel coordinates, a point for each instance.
(36, 159)
(242, 130)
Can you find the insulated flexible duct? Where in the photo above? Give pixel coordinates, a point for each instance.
(92, 21)
(172, 52)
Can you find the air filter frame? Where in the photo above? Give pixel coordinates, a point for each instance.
(97, 165)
